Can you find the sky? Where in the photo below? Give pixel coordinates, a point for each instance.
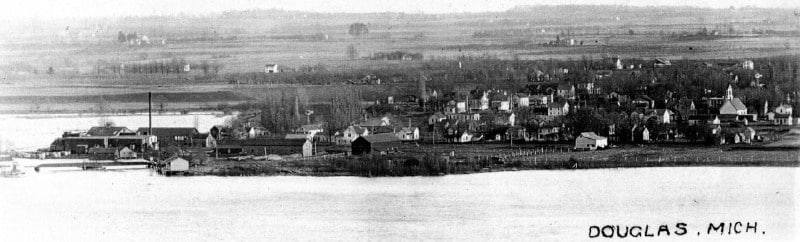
(44, 9)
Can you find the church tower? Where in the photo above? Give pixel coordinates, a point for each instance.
(729, 93)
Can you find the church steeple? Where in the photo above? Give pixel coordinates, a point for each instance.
(729, 93)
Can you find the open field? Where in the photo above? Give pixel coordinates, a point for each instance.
(82, 62)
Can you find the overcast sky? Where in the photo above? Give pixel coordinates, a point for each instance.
(103, 8)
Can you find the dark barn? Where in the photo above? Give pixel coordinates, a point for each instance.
(379, 142)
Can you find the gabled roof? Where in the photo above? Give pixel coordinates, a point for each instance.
(309, 127)
(372, 122)
(408, 129)
(188, 132)
(107, 131)
(592, 136)
(737, 104)
(381, 138)
(357, 129)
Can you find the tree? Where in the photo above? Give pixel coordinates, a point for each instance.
(357, 29)
(121, 37)
(50, 70)
(352, 52)
(630, 32)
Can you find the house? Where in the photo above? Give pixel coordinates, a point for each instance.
(354, 131)
(220, 132)
(461, 106)
(375, 122)
(108, 131)
(255, 132)
(125, 153)
(454, 135)
(557, 109)
(541, 99)
(589, 87)
(566, 91)
(748, 65)
(640, 134)
(500, 101)
(546, 133)
(782, 119)
(783, 109)
(522, 100)
(408, 133)
(663, 116)
(210, 141)
(436, 118)
(261, 147)
(590, 141)
(179, 136)
(81, 145)
(174, 165)
(617, 63)
(378, 142)
(505, 119)
(310, 129)
(271, 68)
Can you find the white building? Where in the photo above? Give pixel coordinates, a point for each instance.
(590, 141)
(271, 68)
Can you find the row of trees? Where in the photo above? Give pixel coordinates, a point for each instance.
(173, 66)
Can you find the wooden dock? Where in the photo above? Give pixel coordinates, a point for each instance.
(88, 165)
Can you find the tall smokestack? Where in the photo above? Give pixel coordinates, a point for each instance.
(150, 113)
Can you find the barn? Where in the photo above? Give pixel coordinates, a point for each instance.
(379, 142)
(277, 147)
(590, 141)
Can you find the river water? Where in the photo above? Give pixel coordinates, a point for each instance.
(136, 205)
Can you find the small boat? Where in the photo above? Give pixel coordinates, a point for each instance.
(12, 172)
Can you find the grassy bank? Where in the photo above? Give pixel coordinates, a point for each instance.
(434, 165)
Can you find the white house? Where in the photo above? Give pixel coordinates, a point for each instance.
(408, 133)
(591, 141)
(271, 68)
(461, 106)
(354, 131)
(566, 91)
(784, 109)
(523, 100)
(663, 116)
(557, 109)
(748, 65)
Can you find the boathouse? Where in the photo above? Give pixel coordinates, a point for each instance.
(175, 165)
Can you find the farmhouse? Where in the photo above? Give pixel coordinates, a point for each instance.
(662, 116)
(590, 141)
(379, 142)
